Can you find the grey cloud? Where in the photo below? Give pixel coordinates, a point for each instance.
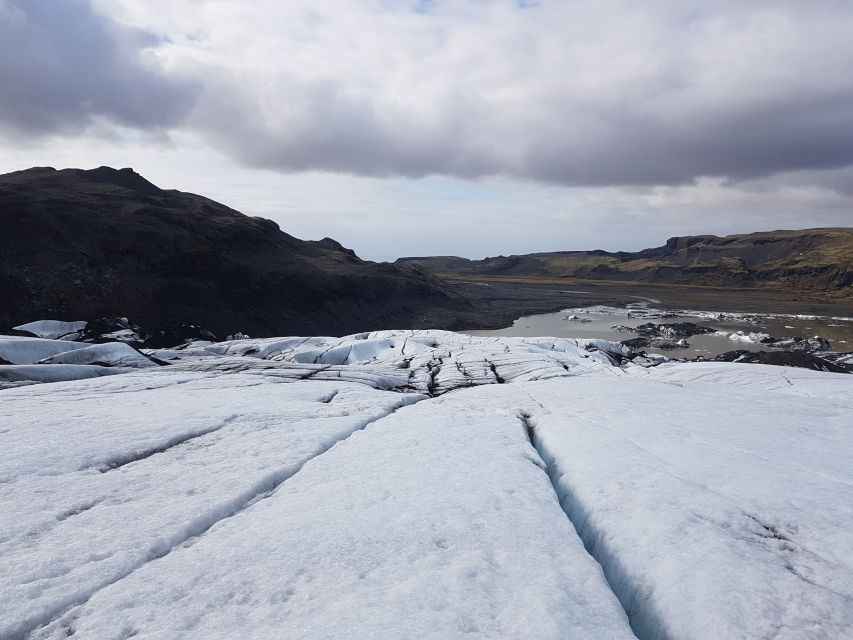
(579, 94)
(735, 90)
(62, 65)
(334, 130)
(812, 133)
(626, 148)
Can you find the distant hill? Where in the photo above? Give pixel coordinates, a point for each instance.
(810, 259)
(79, 245)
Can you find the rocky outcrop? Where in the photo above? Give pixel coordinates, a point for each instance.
(809, 259)
(672, 330)
(83, 245)
(655, 343)
(799, 344)
(799, 359)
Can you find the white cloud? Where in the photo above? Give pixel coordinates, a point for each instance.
(577, 93)
(609, 124)
(65, 68)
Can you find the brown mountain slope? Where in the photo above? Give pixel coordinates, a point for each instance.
(810, 259)
(80, 244)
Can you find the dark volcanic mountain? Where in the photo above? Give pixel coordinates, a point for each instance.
(78, 245)
(811, 259)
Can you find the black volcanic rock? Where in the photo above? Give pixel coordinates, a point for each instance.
(81, 245)
(799, 344)
(799, 359)
(672, 330)
(655, 343)
(636, 343)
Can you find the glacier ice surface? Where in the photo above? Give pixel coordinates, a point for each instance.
(425, 484)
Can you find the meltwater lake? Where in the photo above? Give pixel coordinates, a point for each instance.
(597, 322)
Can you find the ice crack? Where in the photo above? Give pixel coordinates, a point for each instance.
(614, 577)
(121, 461)
(196, 528)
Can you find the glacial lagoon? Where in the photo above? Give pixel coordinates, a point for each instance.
(598, 322)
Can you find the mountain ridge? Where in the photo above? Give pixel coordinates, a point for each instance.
(83, 244)
(89, 244)
(809, 259)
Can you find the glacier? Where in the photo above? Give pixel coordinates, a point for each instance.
(420, 484)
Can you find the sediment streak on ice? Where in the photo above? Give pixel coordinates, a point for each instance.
(433, 522)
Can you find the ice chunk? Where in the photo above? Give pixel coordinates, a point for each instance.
(113, 354)
(18, 350)
(53, 329)
(20, 374)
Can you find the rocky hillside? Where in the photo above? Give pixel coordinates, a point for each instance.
(79, 245)
(811, 259)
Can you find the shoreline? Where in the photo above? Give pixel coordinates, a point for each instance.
(498, 303)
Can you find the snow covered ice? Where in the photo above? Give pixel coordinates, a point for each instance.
(15, 350)
(54, 329)
(60, 360)
(423, 484)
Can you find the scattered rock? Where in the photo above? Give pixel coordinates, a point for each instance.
(178, 334)
(797, 343)
(840, 359)
(623, 329)
(103, 330)
(663, 343)
(672, 330)
(655, 343)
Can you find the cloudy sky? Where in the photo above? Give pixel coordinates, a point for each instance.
(466, 127)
